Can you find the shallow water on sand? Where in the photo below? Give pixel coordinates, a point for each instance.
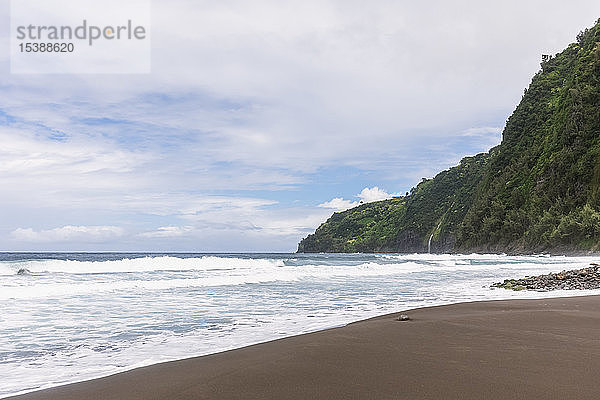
(71, 317)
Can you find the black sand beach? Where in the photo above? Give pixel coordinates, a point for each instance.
(517, 349)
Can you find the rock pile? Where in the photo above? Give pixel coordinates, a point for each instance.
(585, 278)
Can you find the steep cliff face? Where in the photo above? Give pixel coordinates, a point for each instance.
(539, 190)
(541, 187)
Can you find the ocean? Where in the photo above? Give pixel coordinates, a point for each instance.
(68, 317)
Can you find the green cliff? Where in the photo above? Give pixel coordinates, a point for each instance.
(539, 190)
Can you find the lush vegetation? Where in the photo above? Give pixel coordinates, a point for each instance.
(435, 207)
(539, 190)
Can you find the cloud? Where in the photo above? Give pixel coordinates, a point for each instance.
(367, 195)
(250, 216)
(168, 232)
(69, 233)
(338, 203)
(483, 131)
(248, 228)
(343, 67)
(268, 103)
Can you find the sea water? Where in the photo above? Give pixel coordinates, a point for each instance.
(72, 317)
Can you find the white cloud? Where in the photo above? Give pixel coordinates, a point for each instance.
(367, 195)
(482, 131)
(254, 69)
(69, 233)
(264, 96)
(50, 172)
(339, 204)
(249, 216)
(238, 228)
(168, 232)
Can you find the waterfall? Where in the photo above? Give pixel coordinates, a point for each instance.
(431, 237)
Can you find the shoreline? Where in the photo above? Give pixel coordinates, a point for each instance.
(519, 253)
(483, 349)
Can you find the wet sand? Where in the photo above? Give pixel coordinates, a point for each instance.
(517, 349)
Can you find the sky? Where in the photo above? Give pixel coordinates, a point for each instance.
(259, 119)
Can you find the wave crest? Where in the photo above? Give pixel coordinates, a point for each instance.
(143, 264)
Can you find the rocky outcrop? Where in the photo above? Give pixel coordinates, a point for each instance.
(585, 278)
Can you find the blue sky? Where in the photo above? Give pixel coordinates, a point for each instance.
(260, 118)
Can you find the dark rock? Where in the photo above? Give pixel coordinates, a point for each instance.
(23, 271)
(409, 241)
(578, 279)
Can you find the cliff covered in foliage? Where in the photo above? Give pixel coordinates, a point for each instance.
(539, 190)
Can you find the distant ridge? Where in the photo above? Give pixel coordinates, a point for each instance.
(538, 191)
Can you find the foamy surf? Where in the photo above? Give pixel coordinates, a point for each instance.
(142, 264)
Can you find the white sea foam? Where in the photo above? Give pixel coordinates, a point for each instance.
(227, 271)
(143, 264)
